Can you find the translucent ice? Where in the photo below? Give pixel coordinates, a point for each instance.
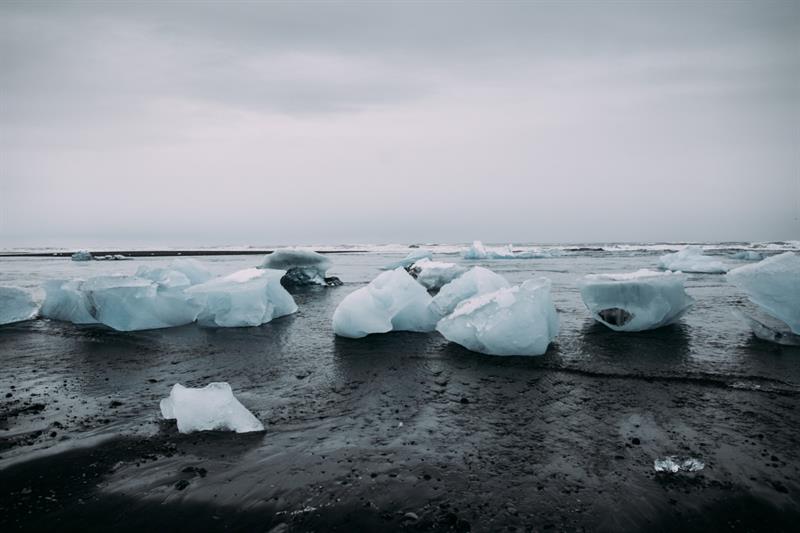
(476, 281)
(435, 274)
(131, 303)
(248, 297)
(673, 464)
(302, 266)
(636, 301)
(770, 329)
(391, 302)
(748, 255)
(16, 305)
(82, 255)
(479, 251)
(213, 407)
(66, 300)
(520, 320)
(692, 260)
(774, 285)
(410, 259)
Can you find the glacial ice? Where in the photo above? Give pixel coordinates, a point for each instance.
(635, 301)
(302, 266)
(66, 300)
(410, 259)
(393, 301)
(213, 407)
(435, 274)
(673, 464)
(692, 260)
(770, 329)
(520, 320)
(774, 285)
(131, 303)
(476, 281)
(747, 255)
(249, 297)
(16, 305)
(479, 251)
(82, 255)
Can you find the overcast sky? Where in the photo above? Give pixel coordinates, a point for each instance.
(270, 123)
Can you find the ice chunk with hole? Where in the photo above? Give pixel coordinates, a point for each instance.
(520, 320)
(16, 305)
(434, 275)
(249, 297)
(213, 407)
(82, 255)
(302, 266)
(692, 260)
(391, 302)
(410, 259)
(66, 300)
(635, 301)
(131, 303)
(774, 285)
(476, 281)
(478, 251)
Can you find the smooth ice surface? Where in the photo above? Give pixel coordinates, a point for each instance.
(249, 297)
(302, 266)
(479, 251)
(213, 407)
(673, 464)
(692, 260)
(520, 320)
(410, 259)
(770, 329)
(476, 281)
(393, 301)
(16, 305)
(66, 300)
(435, 274)
(635, 301)
(132, 303)
(774, 285)
(82, 255)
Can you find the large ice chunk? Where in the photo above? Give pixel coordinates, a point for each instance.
(131, 303)
(82, 255)
(66, 300)
(410, 259)
(479, 251)
(213, 407)
(477, 280)
(391, 302)
(435, 274)
(302, 266)
(770, 329)
(16, 305)
(635, 301)
(249, 297)
(692, 259)
(519, 320)
(774, 285)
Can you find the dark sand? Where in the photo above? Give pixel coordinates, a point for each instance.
(561, 442)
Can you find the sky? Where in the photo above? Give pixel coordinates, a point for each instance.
(179, 123)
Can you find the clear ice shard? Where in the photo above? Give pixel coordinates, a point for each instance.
(635, 301)
(213, 407)
(520, 320)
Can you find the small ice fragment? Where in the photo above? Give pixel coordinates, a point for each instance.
(692, 260)
(673, 464)
(435, 274)
(16, 305)
(747, 255)
(410, 259)
(213, 407)
(479, 251)
(82, 255)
